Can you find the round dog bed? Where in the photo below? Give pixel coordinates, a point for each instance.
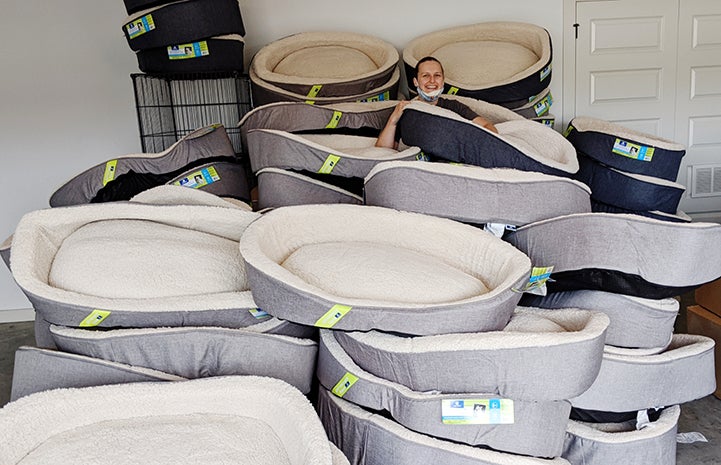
(678, 217)
(326, 63)
(133, 6)
(360, 267)
(214, 54)
(224, 179)
(282, 188)
(541, 355)
(492, 61)
(537, 106)
(256, 420)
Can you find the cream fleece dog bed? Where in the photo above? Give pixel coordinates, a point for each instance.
(368, 438)
(282, 188)
(198, 147)
(223, 53)
(519, 144)
(129, 264)
(635, 322)
(326, 63)
(473, 194)
(493, 61)
(614, 443)
(358, 267)
(632, 380)
(199, 352)
(213, 420)
(181, 22)
(625, 254)
(541, 355)
(516, 426)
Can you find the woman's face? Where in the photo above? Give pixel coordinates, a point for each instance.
(430, 76)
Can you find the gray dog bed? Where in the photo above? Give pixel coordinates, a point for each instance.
(472, 194)
(282, 188)
(542, 355)
(359, 267)
(521, 427)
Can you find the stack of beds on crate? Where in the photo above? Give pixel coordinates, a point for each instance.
(466, 298)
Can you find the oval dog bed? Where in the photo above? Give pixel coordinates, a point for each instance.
(326, 63)
(541, 355)
(678, 217)
(133, 6)
(493, 61)
(214, 54)
(625, 254)
(224, 179)
(257, 420)
(282, 188)
(521, 427)
(472, 194)
(359, 267)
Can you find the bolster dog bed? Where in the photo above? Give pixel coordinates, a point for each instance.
(631, 380)
(537, 106)
(635, 322)
(614, 443)
(473, 194)
(541, 355)
(181, 22)
(224, 179)
(521, 427)
(368, 438)
(123, 177)
(282, 188)
(678, 217)
(625, 254)
(214, 420)
(358, 267)
(213, 54)
(519, 144)
(493, 61)
(625, 149)
(129, 264)
(326, 63)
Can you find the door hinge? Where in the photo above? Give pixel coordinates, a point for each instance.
(575, 26)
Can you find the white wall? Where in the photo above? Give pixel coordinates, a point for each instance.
(66, 98)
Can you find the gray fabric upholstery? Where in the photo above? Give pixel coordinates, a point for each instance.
(282, 188)
(223, 179)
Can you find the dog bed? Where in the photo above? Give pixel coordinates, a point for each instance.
(224, 179)
(624, 254)
(368, 438)
(613, 443)
(99, 182)
(493, 61)
(213, 54)
(213, 420)
(37, 369)
(625, 149)
(326, 63)
(635, 192)
(632, 379)
(521, 427)
(265, 92)
(358, 267)
(541, 355)
(519, 144)
(635, 322)
(282, 188)
(678, 217)
(181, 22)
(472, 194)
(536, 106)
(129, 264)
(199, 352)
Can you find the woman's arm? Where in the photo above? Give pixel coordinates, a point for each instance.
(387, 137)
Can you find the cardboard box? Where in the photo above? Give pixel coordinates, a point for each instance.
(709, 296)
(701, 321)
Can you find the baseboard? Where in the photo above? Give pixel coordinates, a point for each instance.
(710, 217)
(15, 316)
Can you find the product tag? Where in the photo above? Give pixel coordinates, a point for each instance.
(334, 120)
(258, 313)
(498, 229)
(690, 438)
(345, 383)
(198, 179)
(453, 90)
(642, 419)
(330, 162)
(477, 411)
(110, 168)
(313, 92)
(185, 51)
(568, 130)
(537, 282)
(378, 98)
(94, 318)
(332, 316)
(140, 26)
(545, 72)
(542, 107)
(635, 151)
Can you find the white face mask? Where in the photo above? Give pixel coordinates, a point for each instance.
(430, 96)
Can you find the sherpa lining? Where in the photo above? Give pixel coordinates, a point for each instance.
(307, 179)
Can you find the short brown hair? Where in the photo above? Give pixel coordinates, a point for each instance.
(428, 58)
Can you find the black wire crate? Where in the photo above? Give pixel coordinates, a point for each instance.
(169, 108)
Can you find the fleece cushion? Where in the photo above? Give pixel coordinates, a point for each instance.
(258, 420)
(516, 426)
(499, 61)
(541, 355)
(361, 267)
(372, 439)
(519, 144)
(212, 54)
(282, 188)
(118, 178)
(625, 254)
(182, 21)
(472, 194)
(326, 63)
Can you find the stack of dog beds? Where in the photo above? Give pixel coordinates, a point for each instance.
(187, 36)
(325, 67)
(507, 63)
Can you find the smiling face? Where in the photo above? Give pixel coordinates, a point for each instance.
(429, 77)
